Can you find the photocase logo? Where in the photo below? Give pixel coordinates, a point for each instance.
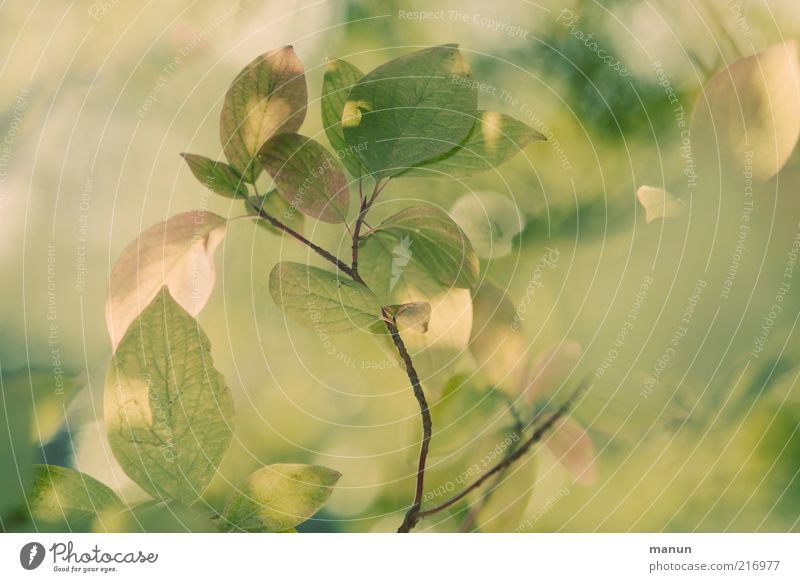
(31, 555)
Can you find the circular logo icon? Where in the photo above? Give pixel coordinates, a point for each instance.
(31, 555)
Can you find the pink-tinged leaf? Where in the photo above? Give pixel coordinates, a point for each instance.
(551, 368)
(268, 97)
(573, 448)
(749, 113)
(658, 203)
(178, 253)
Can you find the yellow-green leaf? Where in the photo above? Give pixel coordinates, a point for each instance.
(278, 497)
(322, 300)
(168, 412)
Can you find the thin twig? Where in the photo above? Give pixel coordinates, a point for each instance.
(510, 459)
(293, 233)
(413, 514)
(472, 516)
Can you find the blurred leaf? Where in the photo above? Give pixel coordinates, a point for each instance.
(52, 389)
(489, 220)
(551, 369)
(322, 300)
(497, 343)
(340, 76)
(505, 509)
(435, 242)
(416, 315)
(59, 494)
(178, 253)
(168, 412)
(16, 450)
(307, 176)
(277, 207)
(217, 176)
(278, 497)
(493, 139)
(410, 110)
(572, 448)
(150, 517)
(750, 111)
(659, 203)
(268, 97)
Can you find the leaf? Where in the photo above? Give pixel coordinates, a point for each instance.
(505, 509)
(321, 300)
(494, 139)
(52, 389)
(550, 370)
(410, 110)
(490, 221)
(498, 345)
(279, 497)
(178, 253)
(268, 97)
(572, 448)
(16, 450)
(277, 207)
(168, 412)
(339, 78)
(750, 112)
(60, 494)
(216, 176)
(659, 203)
(436, 243)
(416, 315)
(307, 176)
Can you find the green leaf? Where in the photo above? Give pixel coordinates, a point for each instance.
(494, 139)
(60, 494)
(340, 76)
(410, 110)
(277, 207)
(278, 497)
(268, 97)
(178, 253)
(216, 176)
(307, 176)
(321, 300)
(435, 242)
(168, 412)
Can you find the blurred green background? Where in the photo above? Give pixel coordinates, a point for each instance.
(96, 109)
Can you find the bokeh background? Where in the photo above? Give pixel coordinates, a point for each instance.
(98, 100)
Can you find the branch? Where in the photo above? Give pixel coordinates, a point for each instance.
(413, 514)
(510, 459)
(293, 233)
(475, 510)
(365, 205)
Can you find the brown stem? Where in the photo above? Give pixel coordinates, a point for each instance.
(413, 514)
(510, 459)
(293, 233)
